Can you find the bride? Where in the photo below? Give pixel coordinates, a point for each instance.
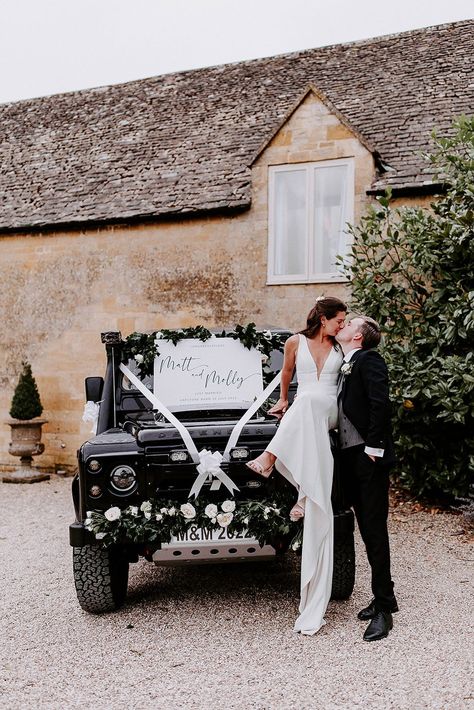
(301, 451)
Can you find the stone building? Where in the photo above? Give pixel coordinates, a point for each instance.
(212, 196)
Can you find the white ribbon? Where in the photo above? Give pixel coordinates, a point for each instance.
(91, 414)
(208, 464)
(185, 435)
(236, 431)
(210, 468)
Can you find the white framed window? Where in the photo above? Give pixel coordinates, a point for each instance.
(309, 207)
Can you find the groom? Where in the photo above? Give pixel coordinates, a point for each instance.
(366, 456)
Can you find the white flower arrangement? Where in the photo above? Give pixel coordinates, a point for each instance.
(113, 514)
(228, 506)
(139, 358)
(225, 519)
(188, 511)
(211, 510)
(158, 521)
(346, 368)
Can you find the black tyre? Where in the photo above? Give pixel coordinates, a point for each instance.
(101, 577)
(343, 577)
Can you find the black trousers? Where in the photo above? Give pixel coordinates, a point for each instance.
(366, 486)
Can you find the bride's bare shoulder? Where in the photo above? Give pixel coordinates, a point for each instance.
(292, 341)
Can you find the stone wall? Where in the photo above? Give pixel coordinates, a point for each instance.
(60, 290)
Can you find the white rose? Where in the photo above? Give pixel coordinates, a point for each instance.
(158, 335)
(211, 510)
(113, 514)
(99, 536)
(133, 509)
(158, 517)
(171, 511)
(146, 507)
(188, 511)
(228, 506)
(88, 523)
(139, 358)
(89, 514)
(225, 519)
(163, 511)
(213, 520)
(296, 546)
(147, 515)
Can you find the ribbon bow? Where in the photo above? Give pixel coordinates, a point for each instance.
(210, 466)
(91, 414)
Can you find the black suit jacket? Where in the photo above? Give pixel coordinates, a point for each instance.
(366, 402)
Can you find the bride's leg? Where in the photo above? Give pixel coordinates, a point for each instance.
(263, 464)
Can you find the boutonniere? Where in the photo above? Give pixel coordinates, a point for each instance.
(346, 368)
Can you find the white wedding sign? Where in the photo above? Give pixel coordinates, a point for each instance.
(214, 374)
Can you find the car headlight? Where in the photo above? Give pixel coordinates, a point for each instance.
(95, 491)
(239, 453)
(178, 456)
(94, 466)
(123, 478)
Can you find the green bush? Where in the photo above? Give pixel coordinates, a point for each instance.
(26, 403)
(413, 270)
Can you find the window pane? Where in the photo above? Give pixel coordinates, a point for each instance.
(290, 222)
(329, 217)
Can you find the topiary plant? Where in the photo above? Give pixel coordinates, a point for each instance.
(26, 402)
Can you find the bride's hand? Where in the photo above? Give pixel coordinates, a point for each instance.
(279, 409)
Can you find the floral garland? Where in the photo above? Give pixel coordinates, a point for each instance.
(142, 347)
(158, 520)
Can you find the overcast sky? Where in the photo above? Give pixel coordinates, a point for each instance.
(50, 46)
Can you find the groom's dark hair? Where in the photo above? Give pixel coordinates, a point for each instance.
(371, 334)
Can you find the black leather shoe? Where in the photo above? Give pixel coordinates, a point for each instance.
(379, 627)
(370, 611)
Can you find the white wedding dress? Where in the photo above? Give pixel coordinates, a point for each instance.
(304, 457)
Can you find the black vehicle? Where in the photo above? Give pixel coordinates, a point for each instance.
(137, 455)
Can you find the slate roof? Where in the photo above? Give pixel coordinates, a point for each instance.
(183, 143)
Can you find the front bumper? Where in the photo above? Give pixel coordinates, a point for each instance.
(79, 536)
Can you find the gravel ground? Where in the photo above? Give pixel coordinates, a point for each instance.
(201, 636)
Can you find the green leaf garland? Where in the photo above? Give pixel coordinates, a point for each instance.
(143, 348)
(158, 520)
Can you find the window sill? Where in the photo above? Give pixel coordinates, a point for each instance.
(322, 279)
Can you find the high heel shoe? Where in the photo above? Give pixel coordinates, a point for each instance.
(296, 513)
(257, 467)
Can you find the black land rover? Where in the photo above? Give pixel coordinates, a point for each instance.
(137, 456)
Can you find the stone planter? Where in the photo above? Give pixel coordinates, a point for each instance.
(25, 443)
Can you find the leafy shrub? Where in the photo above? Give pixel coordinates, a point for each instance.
(413, 270)
(26, 403)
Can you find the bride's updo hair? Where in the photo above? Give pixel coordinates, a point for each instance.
(324, 306)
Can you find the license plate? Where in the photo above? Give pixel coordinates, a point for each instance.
(195, 535)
